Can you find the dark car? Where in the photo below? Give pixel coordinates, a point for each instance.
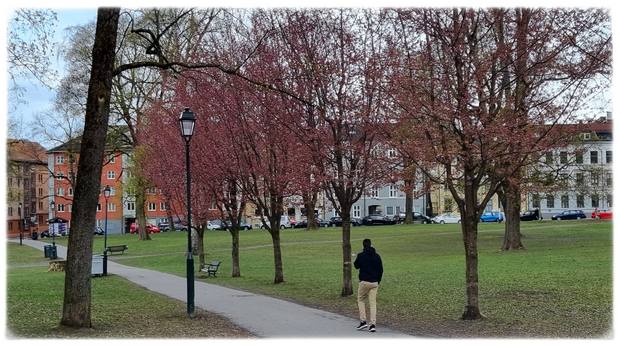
(417, 218)
(378, 219)
(569, 215)
(356, 221)
(336, 221)
(99, 231)
(242, 225)
(531, 215)
(319, 223)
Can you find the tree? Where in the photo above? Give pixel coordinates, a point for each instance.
(454, 97)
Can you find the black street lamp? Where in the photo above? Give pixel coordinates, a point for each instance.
(53, 207)
(21, 223)
(106, 194)
(187, 121)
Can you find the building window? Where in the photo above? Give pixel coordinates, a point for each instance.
(579, 157)
(61, 191)
(162, 206)
(70, 191)
(563, 157)
(535, 201)
(595, 180)
(112, 191)
(60, 207)
(609, 179)
(40, 178)
(151, 190)
(40, 192)
(594, 157)
(390, 210)
(391, 153)
(131, 206)
(564, 201)
(152, 206)
(393, 191)
(550, 201)
(374, 193)
(580, 203)
(59, 176)
(549, 158)
(111, 175)
(610, 201)
(111, 206)
(60, 159)
(357, 211)
(595, 201)
(579, 179)
(98, 206)
(608, 156)
(112, 158)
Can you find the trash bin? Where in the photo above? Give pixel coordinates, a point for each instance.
(47, 250)
(97, 265)
(53, 252)
(35, 235)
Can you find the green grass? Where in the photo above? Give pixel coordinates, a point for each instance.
(561, 286)
(120, 309)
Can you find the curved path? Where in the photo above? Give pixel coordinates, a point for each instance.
(261, 315)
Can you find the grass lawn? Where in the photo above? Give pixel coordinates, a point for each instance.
(561, 286)
(120, 309)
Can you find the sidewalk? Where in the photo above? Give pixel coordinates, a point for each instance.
(261, 315)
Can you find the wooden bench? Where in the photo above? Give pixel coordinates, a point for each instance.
(211, 268)
(116, 248)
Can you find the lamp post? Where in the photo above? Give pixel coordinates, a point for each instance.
(21, 223)
(53, 207)
(106, 195)
(186, 122)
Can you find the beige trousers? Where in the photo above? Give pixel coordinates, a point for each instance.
(367, 290)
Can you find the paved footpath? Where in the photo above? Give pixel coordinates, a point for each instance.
(261, 315)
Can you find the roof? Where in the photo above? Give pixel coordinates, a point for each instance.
(117, 139)
(21, 150)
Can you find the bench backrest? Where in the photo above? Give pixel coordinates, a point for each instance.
(214, 264)
(117, 247)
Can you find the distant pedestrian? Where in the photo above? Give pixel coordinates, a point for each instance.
(371, 270)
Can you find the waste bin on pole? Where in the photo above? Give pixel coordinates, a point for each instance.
(97, 265)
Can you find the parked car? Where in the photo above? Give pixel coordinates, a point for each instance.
(242, 225)
(447, 218)
(603, 214)
(163, 226)
(178, 226)
(99, 231)
(569, 215)
(217, 225)
(285, 222)
(417, 218)
(492, 216)
(319, 222)
(335, 221)
(356, 221)
(531, 215)
(149, 228)
(378, 219)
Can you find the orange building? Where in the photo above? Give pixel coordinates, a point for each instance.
(120, 206)
(27, 177)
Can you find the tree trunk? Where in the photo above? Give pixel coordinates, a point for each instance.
(143, 233)
(408, 201)
(274, 225)
(512, 209)
(200, 246)
(469, 228)
(77, 294)
(309, 203)
(347, 285)
(236, 271)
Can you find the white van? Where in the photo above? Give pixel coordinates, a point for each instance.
(285, 222)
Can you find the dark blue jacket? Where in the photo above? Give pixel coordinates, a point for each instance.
(370, 265)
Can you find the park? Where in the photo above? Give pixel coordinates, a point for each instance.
(559, 287)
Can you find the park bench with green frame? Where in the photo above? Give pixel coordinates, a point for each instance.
(211, 268)
(116, 248)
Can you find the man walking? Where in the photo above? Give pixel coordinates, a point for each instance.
(371, 270)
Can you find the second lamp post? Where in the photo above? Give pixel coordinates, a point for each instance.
(187, 121)
(106, 195)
